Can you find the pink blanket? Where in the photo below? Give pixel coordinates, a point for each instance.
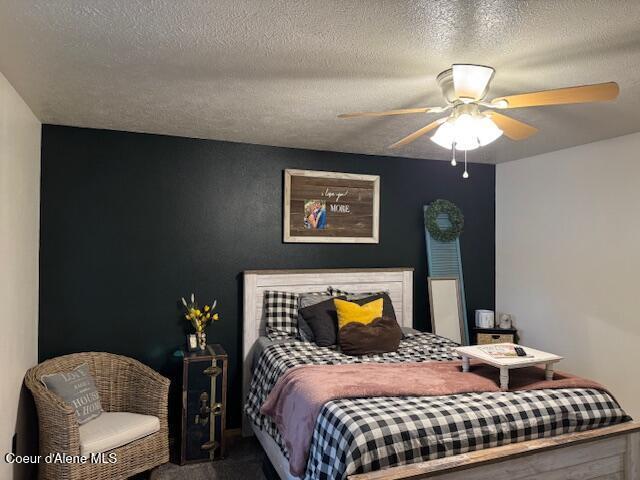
(296, 400)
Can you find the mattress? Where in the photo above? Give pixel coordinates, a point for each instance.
(367, 434)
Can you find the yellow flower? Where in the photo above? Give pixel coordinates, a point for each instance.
(208, 315)
(216, 316)
(206, 308)
(197, 312)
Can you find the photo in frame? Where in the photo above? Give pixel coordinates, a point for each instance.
(331, 207)
(192, 343)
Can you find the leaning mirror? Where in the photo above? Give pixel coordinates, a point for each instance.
(446, 309)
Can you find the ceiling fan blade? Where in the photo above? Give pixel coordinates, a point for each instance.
(471, 81)
(402, 111)
(598, 92)
(512, 128)
(418, 133)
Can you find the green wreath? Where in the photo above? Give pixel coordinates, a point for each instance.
(455, 217)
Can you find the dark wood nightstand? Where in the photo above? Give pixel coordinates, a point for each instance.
(495, 335)
(204, 401)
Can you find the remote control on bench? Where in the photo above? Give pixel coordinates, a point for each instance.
(520, 351)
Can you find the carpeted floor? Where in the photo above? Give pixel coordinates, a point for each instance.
(244, 461)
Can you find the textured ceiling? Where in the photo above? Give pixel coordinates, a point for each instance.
(278, 72)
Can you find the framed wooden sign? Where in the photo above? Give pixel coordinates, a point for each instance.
(330, 207)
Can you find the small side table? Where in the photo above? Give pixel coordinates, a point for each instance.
(204, 401)
(534, 357)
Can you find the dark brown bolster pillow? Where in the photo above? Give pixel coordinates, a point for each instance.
(382, 335)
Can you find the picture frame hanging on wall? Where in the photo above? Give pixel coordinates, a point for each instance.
(331, 207)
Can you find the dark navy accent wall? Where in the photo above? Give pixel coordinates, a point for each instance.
(130, 222)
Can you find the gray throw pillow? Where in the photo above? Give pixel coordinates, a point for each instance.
(78, 389)
(323, 320)
(306, 300)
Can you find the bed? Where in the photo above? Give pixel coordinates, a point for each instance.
(422, 437)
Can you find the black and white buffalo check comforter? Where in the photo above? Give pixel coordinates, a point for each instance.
(362, 435)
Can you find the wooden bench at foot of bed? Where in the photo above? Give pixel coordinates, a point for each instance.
(611, 453)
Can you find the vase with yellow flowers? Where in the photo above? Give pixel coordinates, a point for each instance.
(200, 317)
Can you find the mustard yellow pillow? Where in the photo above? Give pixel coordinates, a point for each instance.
(352, 312)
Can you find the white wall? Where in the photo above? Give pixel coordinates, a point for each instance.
(568, 258)
(19, 228)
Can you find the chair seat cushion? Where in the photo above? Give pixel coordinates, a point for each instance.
(114, 429)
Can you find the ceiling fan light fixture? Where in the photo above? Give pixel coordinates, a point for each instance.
(444, 135)
(471, 82)
(466, 132)
(450, 135)
(487, 131)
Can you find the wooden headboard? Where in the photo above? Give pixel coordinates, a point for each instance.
(397, 281)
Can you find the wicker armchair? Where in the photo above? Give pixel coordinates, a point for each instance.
(125, 385)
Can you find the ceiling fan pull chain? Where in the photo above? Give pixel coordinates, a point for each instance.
(453, 154)
(465, 174)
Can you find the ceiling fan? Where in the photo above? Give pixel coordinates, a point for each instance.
(467, 127)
